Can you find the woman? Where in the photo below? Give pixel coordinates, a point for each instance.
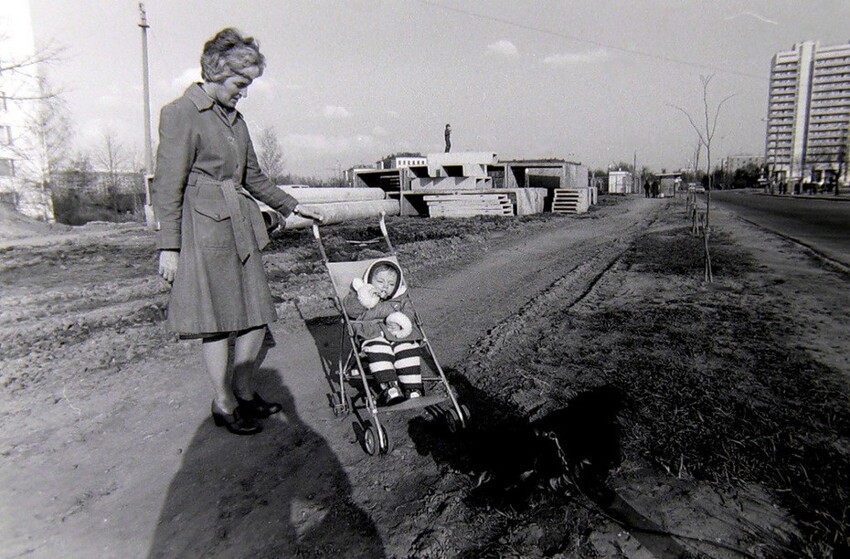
(211, 233)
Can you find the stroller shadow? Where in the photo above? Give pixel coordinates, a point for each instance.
(567, 453)
(281, 493)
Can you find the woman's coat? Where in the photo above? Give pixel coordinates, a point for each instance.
(206, 167)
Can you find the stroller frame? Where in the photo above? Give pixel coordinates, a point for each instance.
(374, 436)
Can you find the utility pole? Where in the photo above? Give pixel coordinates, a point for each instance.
(635, 179)
(150, 219)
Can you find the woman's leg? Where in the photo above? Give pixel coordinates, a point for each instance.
(408, 366)
(215, 350)
(245, 356)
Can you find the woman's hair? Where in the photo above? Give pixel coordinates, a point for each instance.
(229, 53)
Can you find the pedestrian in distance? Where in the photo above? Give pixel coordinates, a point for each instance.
(448, 135)
(646, 187)
(210, 231)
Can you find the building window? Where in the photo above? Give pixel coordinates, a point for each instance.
(7, 167)
(5, 135)
(2, 101)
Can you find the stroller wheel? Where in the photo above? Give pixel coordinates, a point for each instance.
(371, 442)
(465, 411)
(452, 420)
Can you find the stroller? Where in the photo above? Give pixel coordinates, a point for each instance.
(439, 398)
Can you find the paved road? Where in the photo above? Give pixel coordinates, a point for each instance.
(821, 223)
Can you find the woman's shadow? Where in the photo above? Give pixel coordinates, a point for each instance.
(281, 493)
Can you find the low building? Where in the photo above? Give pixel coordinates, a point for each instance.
(620, 182)
(400, 160)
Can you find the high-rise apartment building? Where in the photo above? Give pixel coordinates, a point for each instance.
(809, 113)
(22, 153)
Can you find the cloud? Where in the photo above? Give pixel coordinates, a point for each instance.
(576, 58)
(753, 15)
(186, 77)
(379, 131)
(335, 112)
(503, 48)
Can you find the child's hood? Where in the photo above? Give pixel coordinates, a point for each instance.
(401, 286)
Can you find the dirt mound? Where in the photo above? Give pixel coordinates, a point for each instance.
(17, 226)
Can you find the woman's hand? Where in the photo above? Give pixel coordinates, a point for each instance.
(309, 213)
(168, 264)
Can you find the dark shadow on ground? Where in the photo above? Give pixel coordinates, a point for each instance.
(566, 455)
(281, 493)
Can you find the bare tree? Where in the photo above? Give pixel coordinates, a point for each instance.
(111, 156)
(706, 133)
(270, 154)
(50, 124)
(20, 76)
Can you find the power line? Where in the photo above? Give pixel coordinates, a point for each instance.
(595, 43)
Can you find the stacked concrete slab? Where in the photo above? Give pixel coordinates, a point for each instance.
(571, 201)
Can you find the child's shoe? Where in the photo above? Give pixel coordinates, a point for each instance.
(414, 393)
(391, 394)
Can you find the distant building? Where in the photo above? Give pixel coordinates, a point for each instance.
(22, 159)
(122, 191)
(809, 112)
(732, 163)
(620, 182)
(399, 160)
(668, 184)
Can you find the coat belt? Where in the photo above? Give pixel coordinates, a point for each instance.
(239, 222)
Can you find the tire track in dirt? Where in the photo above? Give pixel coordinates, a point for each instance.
(562, 294)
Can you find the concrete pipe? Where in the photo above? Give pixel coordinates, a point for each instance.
(334, 194)
(338, 212)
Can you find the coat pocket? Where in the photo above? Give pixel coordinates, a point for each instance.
(213, 228)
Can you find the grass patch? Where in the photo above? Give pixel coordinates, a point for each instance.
(677, 252)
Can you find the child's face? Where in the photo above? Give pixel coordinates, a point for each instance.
(385, 282)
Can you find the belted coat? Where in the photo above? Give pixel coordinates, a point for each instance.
(206, 167)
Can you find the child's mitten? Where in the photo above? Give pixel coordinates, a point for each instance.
(399, 324)
(366, 293)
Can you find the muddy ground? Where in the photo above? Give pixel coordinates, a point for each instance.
(620, 407)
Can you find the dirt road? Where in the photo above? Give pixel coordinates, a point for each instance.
(108, 449)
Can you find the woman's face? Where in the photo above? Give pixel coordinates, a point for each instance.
(385, 282)
(228, 92)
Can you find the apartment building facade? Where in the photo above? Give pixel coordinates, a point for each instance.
(22, 155)
(809, 113)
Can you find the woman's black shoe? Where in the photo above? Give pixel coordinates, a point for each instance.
(257, 408)
(236, 422)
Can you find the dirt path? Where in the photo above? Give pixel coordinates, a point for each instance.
(125, 462)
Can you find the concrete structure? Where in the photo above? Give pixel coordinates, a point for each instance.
(337, 205)
(809, 113)
(23, 161)
(620, 182)
(528, 184)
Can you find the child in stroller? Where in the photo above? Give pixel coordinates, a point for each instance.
(386, 330)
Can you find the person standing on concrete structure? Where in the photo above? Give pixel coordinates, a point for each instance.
(448, 138)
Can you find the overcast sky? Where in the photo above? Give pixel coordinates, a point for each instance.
(348, 82)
